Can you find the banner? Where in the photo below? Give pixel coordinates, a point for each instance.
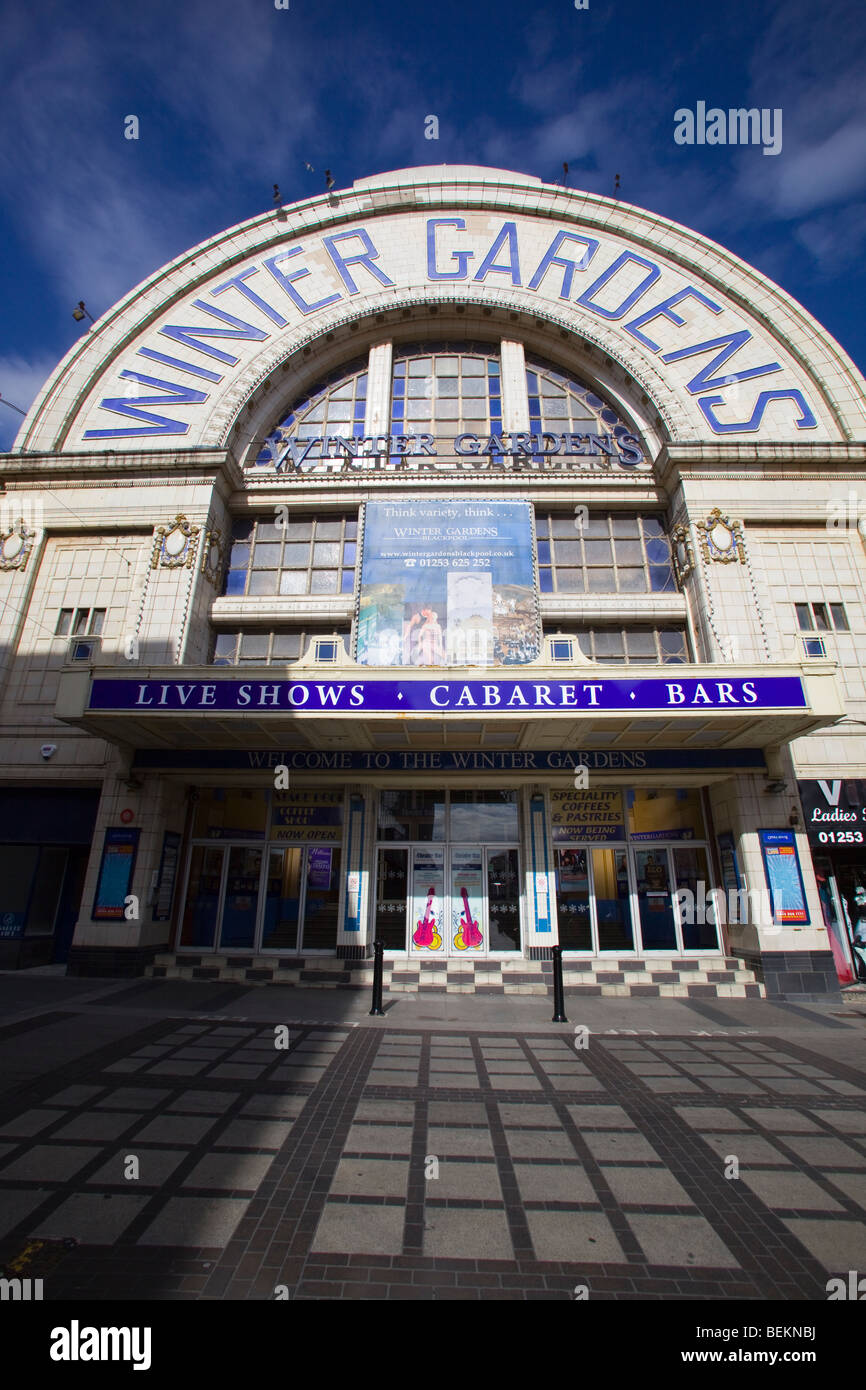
(448, 584)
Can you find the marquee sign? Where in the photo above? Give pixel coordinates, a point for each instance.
(732, 377)
(459, 696)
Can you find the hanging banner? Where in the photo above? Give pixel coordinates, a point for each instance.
(448, 584)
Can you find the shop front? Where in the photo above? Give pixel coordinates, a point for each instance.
(835, 814)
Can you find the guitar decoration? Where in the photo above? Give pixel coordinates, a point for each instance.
(468, 934)
(425, 933)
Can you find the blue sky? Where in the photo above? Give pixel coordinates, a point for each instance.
(235, 95)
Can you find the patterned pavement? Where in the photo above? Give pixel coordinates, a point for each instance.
(380, 1162)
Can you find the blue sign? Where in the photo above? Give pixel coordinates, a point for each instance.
(119, 850)
(512, 697)
(448, 584)
(784, 879)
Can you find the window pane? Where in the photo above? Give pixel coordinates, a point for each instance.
(628, 553)
(571, 581)
(323, 582)
(254, 646)
(97, 618)
(641, 644)
(296, 556)
(80, 624)
(411, 815)
(64, 622)
(287, 646)
(328, 530)
(266, 557)
(822, 622)
(568, 553)
(328, 554)
(804, 616)
(598, 553)
(263, 582)
(293, 582)
(840, 620)
(661, 580)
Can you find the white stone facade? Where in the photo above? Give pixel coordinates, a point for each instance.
(747, 414)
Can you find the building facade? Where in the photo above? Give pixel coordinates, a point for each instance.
(456, 560)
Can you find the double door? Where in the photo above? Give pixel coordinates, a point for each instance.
(459, 900)
(257, 897)
(620, 899)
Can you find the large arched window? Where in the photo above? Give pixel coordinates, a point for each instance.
(336, 405)
(446, 389)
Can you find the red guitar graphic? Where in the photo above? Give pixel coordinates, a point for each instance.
(425, 933)
(468, 933)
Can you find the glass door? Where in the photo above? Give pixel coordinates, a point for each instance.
(503, 899)
(203, 897)
(655, 908)
(302, 895)
(468, 927)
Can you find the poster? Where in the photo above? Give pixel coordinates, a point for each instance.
(319, 867)
(428, 905)
(466, 899)
(115, 874)
(448, 584)
(586, 815)
(784, 879)
(167, 877)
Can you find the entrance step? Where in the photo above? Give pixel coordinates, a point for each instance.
(710, 977)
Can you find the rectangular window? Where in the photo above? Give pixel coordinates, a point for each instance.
(306, 556)
(602, 554)
(638, 646)
(64, 623)
(821, 617)
(269, 648)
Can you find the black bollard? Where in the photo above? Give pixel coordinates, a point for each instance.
(558, 991)
(378, 970)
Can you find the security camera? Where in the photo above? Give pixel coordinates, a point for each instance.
(48, 750)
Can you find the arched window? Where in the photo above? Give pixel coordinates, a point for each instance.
(559, 404)
(446, 389)
(336, 405)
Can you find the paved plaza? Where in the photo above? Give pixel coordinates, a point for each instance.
(454, 1148)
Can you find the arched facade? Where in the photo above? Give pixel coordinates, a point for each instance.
(528, 517)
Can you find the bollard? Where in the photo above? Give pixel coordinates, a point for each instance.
(558, 991)
(378, 969)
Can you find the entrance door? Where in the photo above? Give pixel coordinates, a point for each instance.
(302, 894)
(464, 902)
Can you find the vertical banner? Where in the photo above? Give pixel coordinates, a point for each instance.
(448, 584)
(119, 850)
(539, 872)
(354, 867)
(784, 878)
